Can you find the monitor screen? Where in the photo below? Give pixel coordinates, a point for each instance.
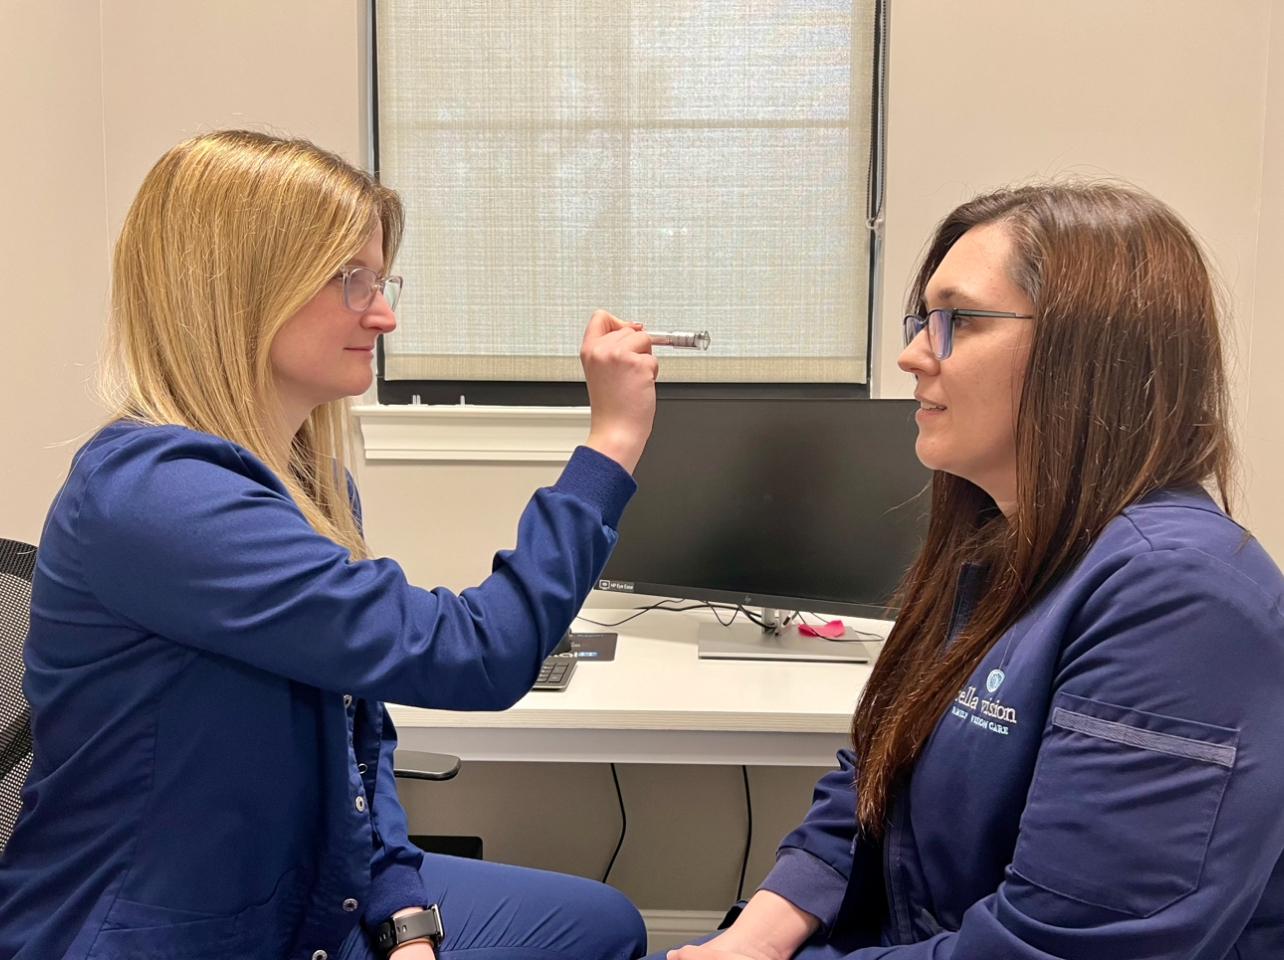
(800, 504)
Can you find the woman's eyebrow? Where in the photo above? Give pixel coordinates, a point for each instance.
(951, 297)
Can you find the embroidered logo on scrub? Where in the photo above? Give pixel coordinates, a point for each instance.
(989, 715)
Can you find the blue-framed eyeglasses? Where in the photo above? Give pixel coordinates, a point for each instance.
(360, 284)
(940, 326)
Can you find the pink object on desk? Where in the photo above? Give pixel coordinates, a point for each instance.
(829, 631)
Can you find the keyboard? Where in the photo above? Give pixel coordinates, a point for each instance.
(555, 673)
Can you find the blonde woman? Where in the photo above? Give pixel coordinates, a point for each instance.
(211, 640)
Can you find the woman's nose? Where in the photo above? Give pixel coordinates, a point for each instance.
(918, 357)
(380, 316)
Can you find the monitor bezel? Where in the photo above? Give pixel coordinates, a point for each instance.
(768, 601)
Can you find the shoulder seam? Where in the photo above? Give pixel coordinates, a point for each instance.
(1271, 603)
(1141, 533)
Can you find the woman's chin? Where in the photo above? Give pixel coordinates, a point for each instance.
(354, 387)
(929, 455)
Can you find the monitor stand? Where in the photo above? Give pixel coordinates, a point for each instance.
(747, 641)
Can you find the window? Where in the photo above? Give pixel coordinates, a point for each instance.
(694, 166)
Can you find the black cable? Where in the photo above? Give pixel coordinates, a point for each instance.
(736, 610)
(714, 610)
(661, 607)
(624, 821)
(744, 863)
(641, 610)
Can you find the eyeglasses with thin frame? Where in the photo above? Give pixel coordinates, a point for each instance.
(939, 324)
(360, 284)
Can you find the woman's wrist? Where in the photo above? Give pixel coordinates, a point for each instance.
(773, 925)
(413, 950)
(620, 446)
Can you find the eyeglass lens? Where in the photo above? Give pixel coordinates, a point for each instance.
(361, 284)
(940, 330)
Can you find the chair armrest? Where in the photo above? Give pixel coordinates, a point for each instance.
(417, 765)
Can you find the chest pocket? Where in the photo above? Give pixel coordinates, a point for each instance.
(1122, 805)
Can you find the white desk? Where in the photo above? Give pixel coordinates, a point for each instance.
(658, 703)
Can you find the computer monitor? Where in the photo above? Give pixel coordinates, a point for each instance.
(807, 504)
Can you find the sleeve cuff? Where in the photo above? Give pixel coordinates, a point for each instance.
(808, 883)
(599, 480)
(397, 887)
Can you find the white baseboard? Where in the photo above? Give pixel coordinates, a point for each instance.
(666, 929)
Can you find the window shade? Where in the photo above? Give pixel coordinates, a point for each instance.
(693, 166)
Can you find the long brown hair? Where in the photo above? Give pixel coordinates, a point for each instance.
(1124, 394)
(230, 234)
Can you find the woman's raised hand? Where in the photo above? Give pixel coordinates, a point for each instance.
(621, 373)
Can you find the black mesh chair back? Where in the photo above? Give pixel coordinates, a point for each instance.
(17, 563)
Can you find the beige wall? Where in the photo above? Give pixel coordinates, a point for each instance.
(1183, 97)
(1263, 429)
(53, 248)
(172, 70)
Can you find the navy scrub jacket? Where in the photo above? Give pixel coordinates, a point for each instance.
(213, 765)
(1108, 785)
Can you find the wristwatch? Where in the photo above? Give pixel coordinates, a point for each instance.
(423, 925)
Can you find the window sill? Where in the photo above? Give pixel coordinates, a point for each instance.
(458, 433)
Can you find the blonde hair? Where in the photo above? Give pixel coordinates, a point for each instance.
(230, 235)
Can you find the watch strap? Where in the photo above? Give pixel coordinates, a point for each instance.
(422, 925)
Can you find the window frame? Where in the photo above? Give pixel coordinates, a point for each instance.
(563, 393)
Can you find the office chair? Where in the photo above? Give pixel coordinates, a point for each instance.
(17, 564)
(17, 561)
